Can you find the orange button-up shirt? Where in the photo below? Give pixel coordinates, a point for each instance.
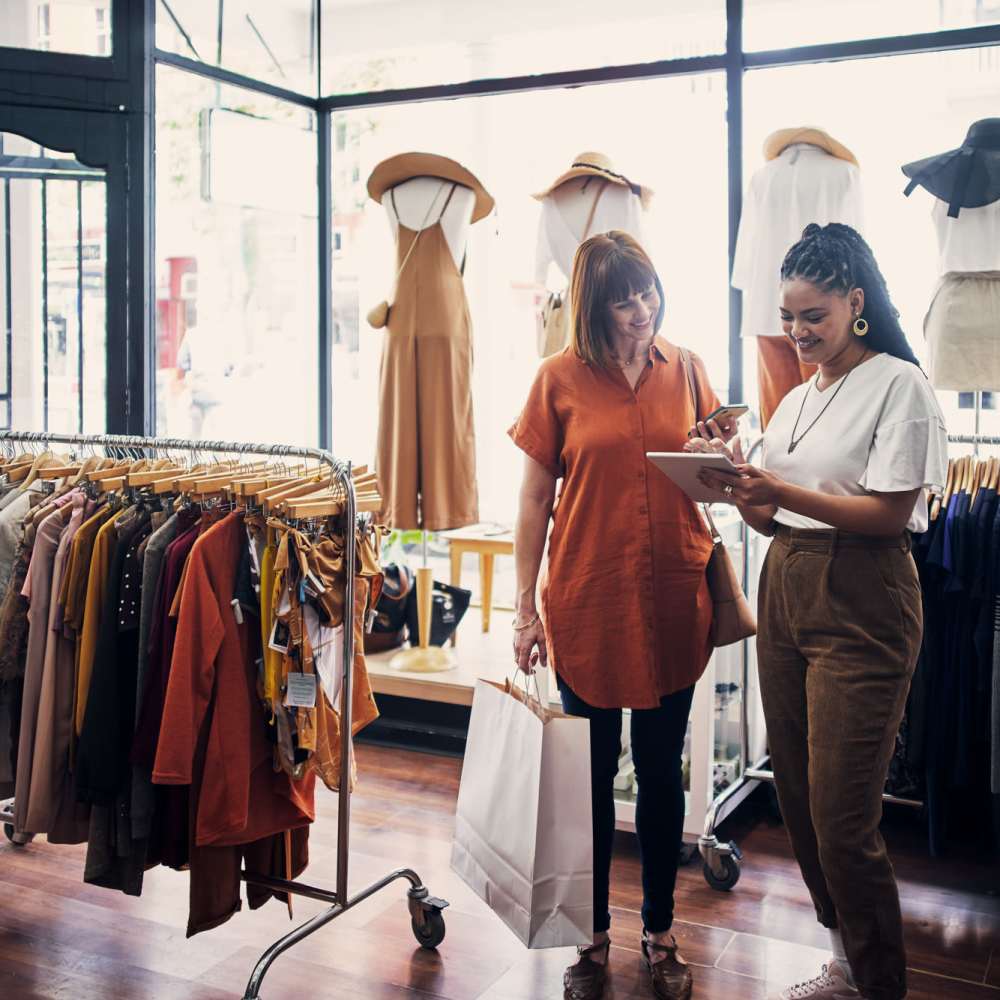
(625, 603)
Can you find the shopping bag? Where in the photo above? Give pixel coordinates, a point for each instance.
(523, 834)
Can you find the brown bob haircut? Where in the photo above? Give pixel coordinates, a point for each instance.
(606, 269)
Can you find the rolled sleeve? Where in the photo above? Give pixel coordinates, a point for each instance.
(906, 456)
(538, 431)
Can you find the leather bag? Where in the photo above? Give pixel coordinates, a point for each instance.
(732, 619)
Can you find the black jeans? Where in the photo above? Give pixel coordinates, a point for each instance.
(657, 743)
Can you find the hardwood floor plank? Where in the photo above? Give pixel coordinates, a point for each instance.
(63, 940)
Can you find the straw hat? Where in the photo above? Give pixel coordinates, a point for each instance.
(405, 166)
(779, 141)
(597, 165)
(967, 177)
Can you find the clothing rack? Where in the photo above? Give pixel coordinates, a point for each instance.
(425, 910)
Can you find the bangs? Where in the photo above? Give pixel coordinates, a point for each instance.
(627, 274)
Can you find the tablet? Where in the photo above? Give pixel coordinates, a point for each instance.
(682, 467)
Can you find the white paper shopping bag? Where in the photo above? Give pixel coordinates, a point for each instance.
(523, 833)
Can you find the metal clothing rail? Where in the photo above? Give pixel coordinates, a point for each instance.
(425, 910)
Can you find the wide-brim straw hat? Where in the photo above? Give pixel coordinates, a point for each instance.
(779, 141)
(406, 166)
(967, 177)
(597, 165)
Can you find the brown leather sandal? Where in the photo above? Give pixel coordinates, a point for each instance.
(585, 979)
(670, 976)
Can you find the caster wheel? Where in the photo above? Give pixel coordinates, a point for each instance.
(731, 873)
(431, 933)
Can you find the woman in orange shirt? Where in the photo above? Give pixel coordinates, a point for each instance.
(625, 611)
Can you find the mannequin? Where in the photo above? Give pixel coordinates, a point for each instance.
(426, 440)
(417, 197)
(565, 211)
(808, 177)
(590, 197)
(962, 325)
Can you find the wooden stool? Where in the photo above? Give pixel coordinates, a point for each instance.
(475, 539)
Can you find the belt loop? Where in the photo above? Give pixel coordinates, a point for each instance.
(834, 538)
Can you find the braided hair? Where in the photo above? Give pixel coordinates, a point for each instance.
(836, 258)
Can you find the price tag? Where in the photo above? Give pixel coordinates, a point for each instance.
(301, 690)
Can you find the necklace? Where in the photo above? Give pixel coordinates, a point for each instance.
(793, 443)
(618, 363)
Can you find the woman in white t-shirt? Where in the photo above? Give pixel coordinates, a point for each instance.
(847, 456)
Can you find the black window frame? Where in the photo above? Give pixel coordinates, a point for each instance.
(114, 97)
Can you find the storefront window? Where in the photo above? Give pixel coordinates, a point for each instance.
(236, 264)
(82, 27)
(667, 134)
(53, 228)
(780, 24)
(405, 44)
(859, 103)
(272, 40)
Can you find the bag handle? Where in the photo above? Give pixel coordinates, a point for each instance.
(423, 227)
(693, 389)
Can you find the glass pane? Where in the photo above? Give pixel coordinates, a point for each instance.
(405, 44)
(52, 290)
(81, 27)
(779, 24)
(685, 232)
(236, 264)
(853, 101)
(272, 40)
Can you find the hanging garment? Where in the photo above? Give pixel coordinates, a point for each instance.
(426, 457)
(779, 371)
(37, 592)
(66, 821)
(213, 677)
(962, 329)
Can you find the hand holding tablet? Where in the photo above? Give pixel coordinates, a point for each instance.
(683, 467)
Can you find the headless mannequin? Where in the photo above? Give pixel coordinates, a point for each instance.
(419, 201)
(572, 202)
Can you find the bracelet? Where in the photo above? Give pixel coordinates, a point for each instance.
(521, 628)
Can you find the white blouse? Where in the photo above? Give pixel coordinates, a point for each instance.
(804, 184)
(883, 433)
(972, 241)
(618, 208)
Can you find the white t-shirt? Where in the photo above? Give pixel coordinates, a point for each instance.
(884, 433)
(972, 241)
(803, 184)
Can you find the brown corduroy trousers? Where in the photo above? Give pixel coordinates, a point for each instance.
(840, 625)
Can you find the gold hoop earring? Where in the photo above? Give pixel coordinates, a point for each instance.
(860, 327)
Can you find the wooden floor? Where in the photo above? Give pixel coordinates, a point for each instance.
(62, 939)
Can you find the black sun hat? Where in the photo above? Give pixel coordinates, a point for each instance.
(967, 177)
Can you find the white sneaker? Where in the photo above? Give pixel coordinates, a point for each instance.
(830, 984)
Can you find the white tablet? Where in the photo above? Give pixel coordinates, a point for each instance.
(682, 467)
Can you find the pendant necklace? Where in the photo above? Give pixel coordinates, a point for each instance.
(793, 442)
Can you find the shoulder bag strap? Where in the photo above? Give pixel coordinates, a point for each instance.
(423, 225)
(593, 210)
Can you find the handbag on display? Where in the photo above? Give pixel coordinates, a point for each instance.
(389, 628)
(553, 332)
(448, 607)
(732, 619)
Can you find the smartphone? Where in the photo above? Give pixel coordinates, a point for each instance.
(732, 411)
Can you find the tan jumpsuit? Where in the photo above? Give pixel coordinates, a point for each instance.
(426, 455)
